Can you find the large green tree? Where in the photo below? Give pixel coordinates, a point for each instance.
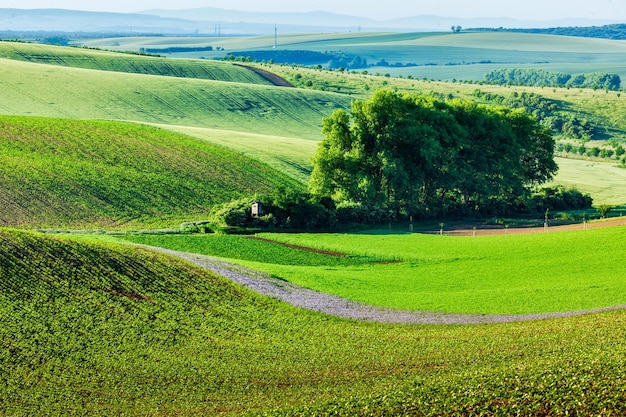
(418, 155)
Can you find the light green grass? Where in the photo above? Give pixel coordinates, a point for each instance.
(291, 155)
(69, 173)
(108, 330)
(605, 182)
(128, 63)
(46, 90)
(516, 274)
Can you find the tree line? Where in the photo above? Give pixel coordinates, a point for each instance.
(398, 156)
(542, 78)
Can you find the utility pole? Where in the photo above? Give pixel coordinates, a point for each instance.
(275, 36)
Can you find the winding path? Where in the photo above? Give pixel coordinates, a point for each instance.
(298, 296)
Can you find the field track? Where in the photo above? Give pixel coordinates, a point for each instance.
(298, 296)
(468, 230)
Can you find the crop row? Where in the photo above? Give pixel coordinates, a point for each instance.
(92, 328)
(63, 172)
(116, 62)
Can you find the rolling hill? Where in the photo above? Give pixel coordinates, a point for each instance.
(128, 63)
(46, 90)
(95, 328)
(98, 328)
(70, 173)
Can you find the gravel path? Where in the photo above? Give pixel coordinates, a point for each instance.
(295, 295)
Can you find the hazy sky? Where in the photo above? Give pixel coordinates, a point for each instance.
(377, 9)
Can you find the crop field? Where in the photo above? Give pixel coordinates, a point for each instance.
(275, 125)
(99, 328)
(44, 90)
(94, 325)
(439, 55)
(108, 61)
(543, 273)
(59, 172)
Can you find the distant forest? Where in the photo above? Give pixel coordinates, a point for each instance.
(615, 31)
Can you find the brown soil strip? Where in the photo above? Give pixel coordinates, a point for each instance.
(304, 248)
(467, 230)
(273, 78)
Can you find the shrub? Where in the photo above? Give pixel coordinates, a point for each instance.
(604, 209)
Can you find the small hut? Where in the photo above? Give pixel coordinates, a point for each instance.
(257, 209)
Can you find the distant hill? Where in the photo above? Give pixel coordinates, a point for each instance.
(615, 31)
(218, 22)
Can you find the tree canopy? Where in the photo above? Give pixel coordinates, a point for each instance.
(417, 155)
(539, 77)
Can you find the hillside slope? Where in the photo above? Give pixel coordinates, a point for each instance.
(68, 173)
(54, 91)
(109, 330)
(128, 63)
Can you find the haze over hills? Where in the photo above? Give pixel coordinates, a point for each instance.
(213, 21)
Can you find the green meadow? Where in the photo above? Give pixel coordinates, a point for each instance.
(436, 55)
(94, 325)
(507, 274)
(109, 329)
(64, 173)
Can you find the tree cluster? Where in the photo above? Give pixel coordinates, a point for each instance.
(412, 155)
(539, 78)
(562, 122)
(613, 31)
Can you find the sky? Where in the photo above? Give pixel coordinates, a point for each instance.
(375, 9)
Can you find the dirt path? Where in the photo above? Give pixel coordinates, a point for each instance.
(276, 80)
(295, 295)
(467, 230)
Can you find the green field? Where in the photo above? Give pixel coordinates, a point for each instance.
(44, 90)
(606, 182)
(103, 329)
(91, 326)
(521, 274)
(439, 55)
(115, 62)
(275, 125)
(68, 173)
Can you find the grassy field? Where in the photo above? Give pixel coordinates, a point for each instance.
(68, 173)
(44, 90)
(527, 274)
(604, 181)
(95, 328)
(275, 125)
(291, 155)
(127, 63)
(439, 55)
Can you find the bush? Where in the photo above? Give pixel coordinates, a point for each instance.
(234, 213)
(604, 209)
(558, 198)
